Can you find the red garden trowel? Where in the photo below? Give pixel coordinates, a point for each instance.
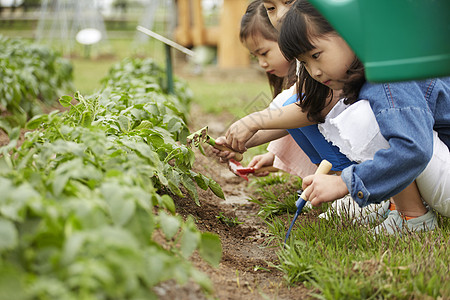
(238, 169)
(201, 136)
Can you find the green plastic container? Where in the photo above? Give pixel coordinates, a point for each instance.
(396, 40)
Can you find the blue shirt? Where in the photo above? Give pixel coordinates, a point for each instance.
(407, 113)
(315, 146)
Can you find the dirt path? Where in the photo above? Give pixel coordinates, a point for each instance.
(245, 271)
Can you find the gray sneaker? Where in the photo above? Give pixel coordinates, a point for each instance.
(395, 224)
(377, 216)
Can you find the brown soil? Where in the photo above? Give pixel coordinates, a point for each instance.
(244, 246)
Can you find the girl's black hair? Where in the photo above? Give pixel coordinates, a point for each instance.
(302, 23)
(255, 22)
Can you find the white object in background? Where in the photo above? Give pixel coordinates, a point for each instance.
(88, 36)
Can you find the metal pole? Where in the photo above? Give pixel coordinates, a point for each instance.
(168, 44)
(169, 71)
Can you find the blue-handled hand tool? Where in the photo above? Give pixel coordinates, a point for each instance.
(324, 168)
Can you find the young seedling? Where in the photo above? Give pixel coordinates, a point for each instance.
(201, 136)
(230, 222)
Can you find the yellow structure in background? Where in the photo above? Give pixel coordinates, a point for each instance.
(191, 31)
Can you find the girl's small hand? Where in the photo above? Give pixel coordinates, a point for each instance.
(324, 188)
(224, 156)
(262, 160)
(240, 132)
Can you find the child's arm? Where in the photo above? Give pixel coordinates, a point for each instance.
(261, 137)
(287, 117)
(265, 136)
(406, 122)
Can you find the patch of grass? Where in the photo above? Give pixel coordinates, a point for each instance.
(274, 179)
(341, 260)
(276, 194)
(238, 97)
(87, 77)
(340, 264)
(89, 71)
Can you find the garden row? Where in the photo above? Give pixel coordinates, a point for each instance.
(32, 76)
(86, 210)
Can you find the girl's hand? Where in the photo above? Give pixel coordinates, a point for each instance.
(324, 188)
(240, 132)
(224, 156)
(262, 160)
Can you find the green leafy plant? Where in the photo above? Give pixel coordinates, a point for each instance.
(32, 76)
(87, 192)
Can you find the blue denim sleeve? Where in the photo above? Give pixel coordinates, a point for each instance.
(406, 122)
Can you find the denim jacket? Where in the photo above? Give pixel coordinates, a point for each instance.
(407, 113)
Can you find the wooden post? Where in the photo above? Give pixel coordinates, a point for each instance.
(230, 52)
(198, 28)
(183, 31)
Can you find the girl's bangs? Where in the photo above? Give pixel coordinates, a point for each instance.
(256, 25)
(294, 38)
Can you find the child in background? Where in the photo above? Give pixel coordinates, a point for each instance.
(407, 113)
(276, 9)
(260, 37)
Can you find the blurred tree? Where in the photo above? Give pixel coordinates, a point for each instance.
(31, 4)
(121, 6)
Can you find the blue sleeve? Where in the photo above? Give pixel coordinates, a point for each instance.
(406, 122)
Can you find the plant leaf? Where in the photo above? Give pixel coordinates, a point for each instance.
(215, 187)
(65, 101)
(202, 181)
(189, 242)
(210, 248)
(168, 203)
(169, 224)
(188, 183)
(8, 235)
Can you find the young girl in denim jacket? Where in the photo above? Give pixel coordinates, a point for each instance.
(407, 114)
